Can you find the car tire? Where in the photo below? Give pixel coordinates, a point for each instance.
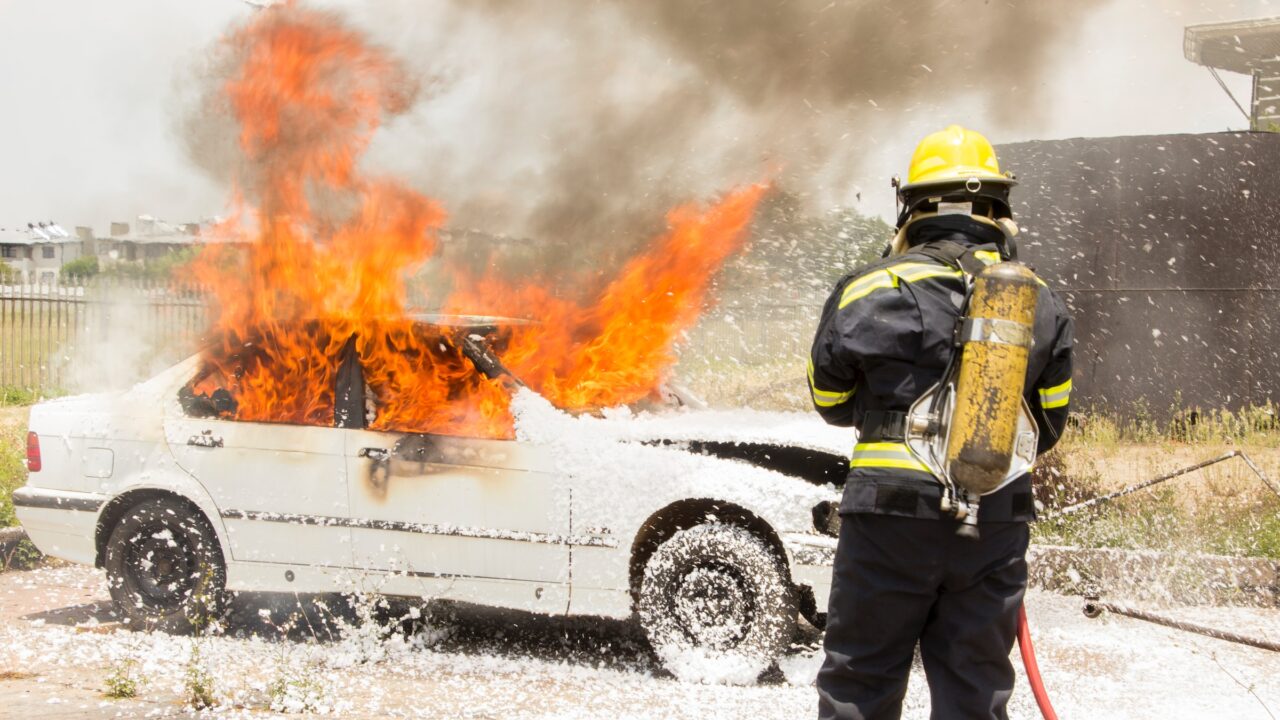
(164, 568)
(717, 604)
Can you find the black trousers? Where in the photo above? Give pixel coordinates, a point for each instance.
(899, 581)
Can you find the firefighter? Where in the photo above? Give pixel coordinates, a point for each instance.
(903, 574)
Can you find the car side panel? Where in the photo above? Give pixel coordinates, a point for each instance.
(470, 513)
(280, 489)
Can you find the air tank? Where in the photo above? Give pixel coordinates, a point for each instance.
(995, 337)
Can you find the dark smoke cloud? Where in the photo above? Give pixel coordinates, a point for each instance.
(613, 111)
(584, 122)
(836, 53)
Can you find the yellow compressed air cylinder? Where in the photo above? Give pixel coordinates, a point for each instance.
(996, 337)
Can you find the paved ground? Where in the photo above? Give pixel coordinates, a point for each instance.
(55, 654)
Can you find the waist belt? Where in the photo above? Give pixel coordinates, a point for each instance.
(883, 426)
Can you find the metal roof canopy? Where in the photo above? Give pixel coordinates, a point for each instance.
(1251, 47)
(1241, 46)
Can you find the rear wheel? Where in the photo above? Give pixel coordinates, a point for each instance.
(716, 604)
(164, 567)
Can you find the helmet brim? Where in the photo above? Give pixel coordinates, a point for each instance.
(959, 182)
(991, 189)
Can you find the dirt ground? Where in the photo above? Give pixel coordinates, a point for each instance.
(57, 648)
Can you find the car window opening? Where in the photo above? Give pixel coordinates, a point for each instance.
(406, 377)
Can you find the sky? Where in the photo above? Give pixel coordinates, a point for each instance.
(95, 93)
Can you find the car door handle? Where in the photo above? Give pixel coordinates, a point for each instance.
(205, 439)
(375, 454)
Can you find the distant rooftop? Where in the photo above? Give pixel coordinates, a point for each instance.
(34, 233)
(149, 230)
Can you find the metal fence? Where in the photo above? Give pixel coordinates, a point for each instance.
(81, 336)
(52, 333)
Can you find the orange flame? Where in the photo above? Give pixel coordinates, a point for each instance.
(308, 95)
(615, 350)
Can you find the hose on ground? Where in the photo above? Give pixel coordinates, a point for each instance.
(1033, 668)
(1093, 607)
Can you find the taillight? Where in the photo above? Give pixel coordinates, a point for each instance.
(33, 452)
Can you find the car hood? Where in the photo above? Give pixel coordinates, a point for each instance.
(789, 429)
(618, 470)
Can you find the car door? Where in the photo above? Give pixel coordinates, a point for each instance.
(441, 506)
(281, 489)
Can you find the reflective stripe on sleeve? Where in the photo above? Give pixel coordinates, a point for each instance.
(911, 272)
(864, 286)
(891, 276)
(1056, 396)
(885, 455)
(827, 398)
(990, 257)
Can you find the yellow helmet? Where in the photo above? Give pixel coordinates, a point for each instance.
(954, 154)
(958, 164)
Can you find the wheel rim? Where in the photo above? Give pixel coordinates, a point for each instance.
(714, 606)
(159, 568)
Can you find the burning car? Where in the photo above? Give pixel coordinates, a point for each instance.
(706, 526)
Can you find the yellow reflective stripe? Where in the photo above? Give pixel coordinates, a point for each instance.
(830, 403)
(889, 277)
(1064, 387)
(827, 398)
(881, 447)
(1056, 396)
(906, 267)
(888, 463)
(863, 287)
(885, 455)
(927, 271)
(990, 257)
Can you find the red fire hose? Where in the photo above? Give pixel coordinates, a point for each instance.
(1033, 668)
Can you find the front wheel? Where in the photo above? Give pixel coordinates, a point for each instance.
(164, 567)
(717, 605)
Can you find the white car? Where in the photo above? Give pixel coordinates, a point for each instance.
(712, 527)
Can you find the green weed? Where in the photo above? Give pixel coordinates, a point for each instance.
(123, 679)
(198, 681)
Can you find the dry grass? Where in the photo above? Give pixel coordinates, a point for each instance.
(1222, 509)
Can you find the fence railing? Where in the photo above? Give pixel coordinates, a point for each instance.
(51, 335)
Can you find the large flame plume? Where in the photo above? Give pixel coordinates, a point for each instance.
(324, 274)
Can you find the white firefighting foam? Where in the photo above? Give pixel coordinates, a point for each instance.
(1104, 669)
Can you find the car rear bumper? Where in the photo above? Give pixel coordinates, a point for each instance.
(61, 523)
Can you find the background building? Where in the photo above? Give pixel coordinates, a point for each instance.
(35, 252)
